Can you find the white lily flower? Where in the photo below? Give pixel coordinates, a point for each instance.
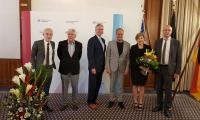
(22, 77)
(20, 70)
(16, 80)
(28, 66)
(28, 87)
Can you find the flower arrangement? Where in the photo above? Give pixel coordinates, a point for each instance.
(26, 100)
(148, 61)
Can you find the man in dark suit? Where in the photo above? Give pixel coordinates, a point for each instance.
(43, 53)
(69, 52)
(96, 63)
(169, 51)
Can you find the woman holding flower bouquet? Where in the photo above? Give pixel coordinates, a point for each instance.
(138, 71)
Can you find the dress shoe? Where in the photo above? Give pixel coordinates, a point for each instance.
(74, 107)
(47, 108)
(63, 108)
(110, 104)
(156, 109)
(120, 104)
(168, 113)
(92, 106)
(140, 107)
(135, 105)
(98, 103)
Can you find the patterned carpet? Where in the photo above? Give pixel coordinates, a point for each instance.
(184, 108)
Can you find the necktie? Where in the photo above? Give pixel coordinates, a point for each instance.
(47, 57)
(101, 41)
(163, 53)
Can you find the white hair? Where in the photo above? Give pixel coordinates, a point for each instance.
(71, 30)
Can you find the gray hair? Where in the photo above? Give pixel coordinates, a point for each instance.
(118, 29)
(48, 29)
(71, 30)
(99, 24)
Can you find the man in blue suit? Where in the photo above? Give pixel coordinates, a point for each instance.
(96, 63)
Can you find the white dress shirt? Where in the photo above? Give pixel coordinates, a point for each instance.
(71, 48)
(167, 50)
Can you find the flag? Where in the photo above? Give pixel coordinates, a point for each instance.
(142, 29)
(173, 24)
(195, 87)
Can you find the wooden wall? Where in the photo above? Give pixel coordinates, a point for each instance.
(153, 21)
(7, 71)
(25, 5)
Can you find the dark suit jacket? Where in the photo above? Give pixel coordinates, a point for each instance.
(38, 53)
(174, 65)
(69, 64)
(96, 54)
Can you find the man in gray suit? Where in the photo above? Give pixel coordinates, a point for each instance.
(117, 65)
(43, 53)
(169, 51)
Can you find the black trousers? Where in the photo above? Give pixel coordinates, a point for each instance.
(49, 79)
(164, 85)
(94, 86)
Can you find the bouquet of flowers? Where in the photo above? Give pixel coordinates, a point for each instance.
(26, 100)
(148, 61)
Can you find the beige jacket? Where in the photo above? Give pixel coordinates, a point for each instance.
(113, 60)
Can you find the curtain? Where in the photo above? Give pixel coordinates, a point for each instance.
(187, 25)
(165, 14)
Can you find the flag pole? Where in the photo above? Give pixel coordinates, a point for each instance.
(184, 68)
(146, 28)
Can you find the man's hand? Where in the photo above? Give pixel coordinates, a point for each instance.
(93, 71)
(108, 71)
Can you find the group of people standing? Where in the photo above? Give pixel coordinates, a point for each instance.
(118, 61)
